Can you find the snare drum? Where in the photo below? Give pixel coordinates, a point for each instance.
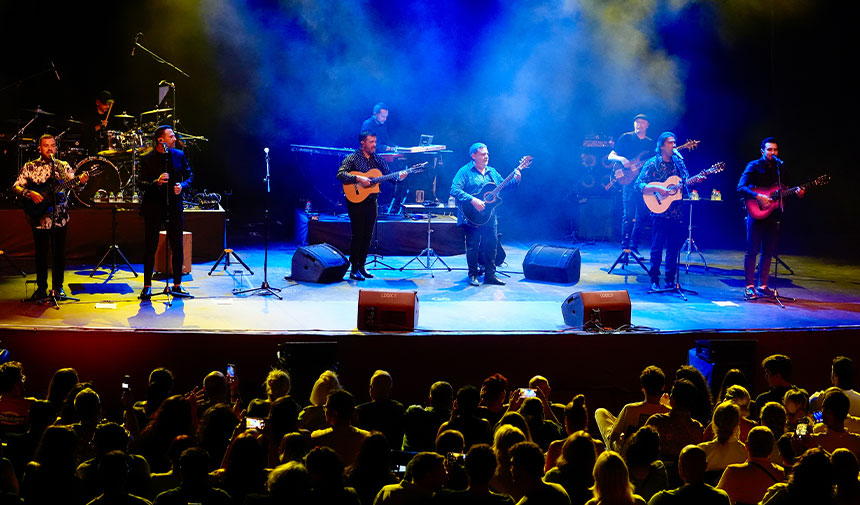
(108, 179)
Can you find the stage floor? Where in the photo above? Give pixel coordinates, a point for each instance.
(827, 292)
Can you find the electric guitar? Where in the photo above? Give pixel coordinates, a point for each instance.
(659, 204)
(757, 211)
(625, 176)
(49, 192)
(490, 196)
(356, 193)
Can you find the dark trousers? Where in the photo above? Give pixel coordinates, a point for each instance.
(362, 219)
(762, 235)
(667, 234)
(42, 242)
(481, 243)
(152, 226)
(634, 211)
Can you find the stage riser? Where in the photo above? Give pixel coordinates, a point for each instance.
(604, 367)
(89, 234)
(399, 238)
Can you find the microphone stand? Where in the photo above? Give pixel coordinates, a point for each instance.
(774, 297)
(265, 288)
(167, 265)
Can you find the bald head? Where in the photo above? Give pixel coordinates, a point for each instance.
(380, 385)
(540, 382)
(692, 464)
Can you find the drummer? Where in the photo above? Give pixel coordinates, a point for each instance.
(100, 120)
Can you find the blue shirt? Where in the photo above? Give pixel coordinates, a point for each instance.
(469, 181)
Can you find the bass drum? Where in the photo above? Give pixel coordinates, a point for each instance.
(108, 179)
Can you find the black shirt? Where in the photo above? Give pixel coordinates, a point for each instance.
(152, 165)
(629, 145)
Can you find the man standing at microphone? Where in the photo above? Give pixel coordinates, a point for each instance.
(164, 173)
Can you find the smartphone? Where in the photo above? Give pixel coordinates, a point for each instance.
(456, 458)
(126, 382)
(528, 393)
(231, 370)
(818, 416)
(399, 469)
(255, 423)
(801, 430)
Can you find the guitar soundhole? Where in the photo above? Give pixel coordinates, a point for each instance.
(489, 198)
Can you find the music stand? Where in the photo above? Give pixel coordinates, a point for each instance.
(427, 257)
(227, 252)
(374, 247)
(690, 244)
(113, 249)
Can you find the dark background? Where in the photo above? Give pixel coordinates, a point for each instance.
(524, 77)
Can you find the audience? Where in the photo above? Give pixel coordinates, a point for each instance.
(703, 407)
(747, 482)
(842, 377)
(200, 449)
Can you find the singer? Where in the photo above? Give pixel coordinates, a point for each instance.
(37, 183)
(762, 233)
(164, 173)
(667, 228)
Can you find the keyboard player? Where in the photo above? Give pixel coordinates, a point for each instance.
(375, 124)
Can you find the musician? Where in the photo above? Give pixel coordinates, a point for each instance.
(762, 233)
(164, 173)
(627, 149)
(375, 124)
(480, 240)
(53, 222)
(99, 120)
(362, 215)
(668, 230)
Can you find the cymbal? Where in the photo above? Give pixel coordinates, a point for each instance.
(74, 121)
(156, 111)
(39, 110)
(110, 152)
(125, 116)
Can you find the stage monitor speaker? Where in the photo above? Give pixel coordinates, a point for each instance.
(609, 309)
(319, 263)
(552, 264)
(380, 310)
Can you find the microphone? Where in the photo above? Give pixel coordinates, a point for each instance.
(135, 42)
(266, 150)
(779, 161)
(677, 153)
(54, 67)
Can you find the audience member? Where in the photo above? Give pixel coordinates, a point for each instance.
(243, 471)
(294, 447)
(740, 397)
(328, 482)
(677, 428)
(575, 466)
(312, 417)
(50, 478)
(173, 418)
(691, 467)
(830, 434)
(110, 438)
(161, 482)
(543, 431)
(725, 449)
(61, 384)
(615, 430)
(733, 377)
(465, 419)
(113, 473)
(480, 467)
(612, 482)
(216, 390)
(281, 420)
(158, 389)
(214, 431)
(773, 417)
(703, 407)
(287, 483)
(642, 455)
(492, 399)
(341, 436)
(506, 436)
(372, 468)
(541, 383)
(20, 447)
(527, 470)
(842, 377)
(796, 404)
(277, 384)
(747, 482)
(575, 419)
(421, 424)
(195, 486)
(14, 404)
(845, 475)
(810, 482)
(425, 475)
(777, 372)
(382, 413)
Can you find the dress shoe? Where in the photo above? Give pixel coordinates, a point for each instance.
(765, 291)
(179, 292)
(145, 294)
(356, 275)
(39, 294)
(473, 281)
(495, 281)
(366, 274)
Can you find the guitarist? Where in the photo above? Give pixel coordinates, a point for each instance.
(626, 150)
(53, 222)
(668, 230)
(469, 181)
(362, 215)
(762, 233)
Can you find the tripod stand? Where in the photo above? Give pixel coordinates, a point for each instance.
(624, 259)
(265, 288)
(676, 288)
(113, 250)
(227, 252)
(374, 247)
(430, 256)
(690, 244)
(12, 263)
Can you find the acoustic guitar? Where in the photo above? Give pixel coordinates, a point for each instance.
(489, 194)
(757, 211)
(49, 191)
(356, 193)
(625, 176)
(659, 204)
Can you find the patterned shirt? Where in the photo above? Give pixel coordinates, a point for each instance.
(358, 162)
(658, 170)
(38, 172)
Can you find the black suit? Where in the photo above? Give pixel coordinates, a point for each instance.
(160, 204)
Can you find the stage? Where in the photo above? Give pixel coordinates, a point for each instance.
(463, 333)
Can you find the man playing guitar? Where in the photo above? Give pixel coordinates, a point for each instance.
(47, 172)
(362, 215)
(629, 151)
(668, 228)
(762, 233)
